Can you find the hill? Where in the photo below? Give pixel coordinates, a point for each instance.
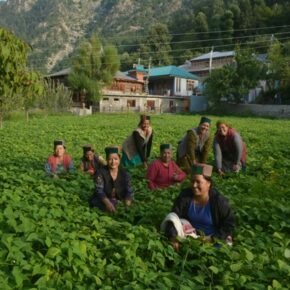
(53, 28)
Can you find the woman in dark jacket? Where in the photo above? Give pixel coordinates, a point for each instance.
(91, 162)
(206, 210)
(112, 184)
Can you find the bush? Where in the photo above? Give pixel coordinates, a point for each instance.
(56, 97)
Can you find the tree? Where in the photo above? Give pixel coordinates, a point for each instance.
(93, 67)
(157, 45)
(56, 97)
(279, 67)
(233, 82)
(18, 85)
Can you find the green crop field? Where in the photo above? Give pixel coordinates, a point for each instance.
(51, 239)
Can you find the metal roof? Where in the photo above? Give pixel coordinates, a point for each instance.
(215, 54)
(173, 71)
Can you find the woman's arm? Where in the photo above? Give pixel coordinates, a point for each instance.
(238, 143)
(205, 150)
(226, 219)
(217, 155)
(149, 145)
(139, 143)
(129, 190)
(152, 173)
(190, 146)
(179, 175)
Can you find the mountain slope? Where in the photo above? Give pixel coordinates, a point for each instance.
(53, 27)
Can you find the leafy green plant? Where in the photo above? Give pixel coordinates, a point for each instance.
(51, 239)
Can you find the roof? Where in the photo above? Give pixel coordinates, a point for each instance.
(172, 71)
(123, 76)
(139, 68)
(215, 54)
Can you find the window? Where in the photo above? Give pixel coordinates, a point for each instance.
(189, 85)
(105, 99)
(131, 103)
(178, 84)
(116, 100)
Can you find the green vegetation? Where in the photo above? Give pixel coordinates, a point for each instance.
(93, 67)
(56, 97)
(18, 86)
(194, 26)
(232, 82)
(50, 239)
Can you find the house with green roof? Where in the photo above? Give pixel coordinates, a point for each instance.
(171, 81)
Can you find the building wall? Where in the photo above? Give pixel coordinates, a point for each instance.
(279, 111)
(125, 86)
(181, 87)
(141, 104)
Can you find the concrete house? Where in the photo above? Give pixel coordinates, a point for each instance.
(201, 65)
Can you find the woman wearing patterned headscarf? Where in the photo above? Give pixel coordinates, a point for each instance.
(137, 147)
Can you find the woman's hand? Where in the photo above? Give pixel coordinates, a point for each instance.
(175, 176)
(109, 206)
(236, 168)
(128, 202)
(221, 173)
(145, 165)
(175, 245)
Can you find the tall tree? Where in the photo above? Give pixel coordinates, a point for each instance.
(279, 67)
(157, 45)
(18, 85)
(93, 67)
(233, 82)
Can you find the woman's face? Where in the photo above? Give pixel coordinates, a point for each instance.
(145, 125)
(113, 161)
(204, 127)
(223, 129)
(200, 186)
(166, 155)
(90, 155)
(59, 151)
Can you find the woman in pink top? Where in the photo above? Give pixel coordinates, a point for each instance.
(164, 172)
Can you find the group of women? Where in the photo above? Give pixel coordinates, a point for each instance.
(199, 209)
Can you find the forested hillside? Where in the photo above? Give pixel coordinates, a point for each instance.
(54, 28)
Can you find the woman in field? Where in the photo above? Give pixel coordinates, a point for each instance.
(137, 147)
(200, 210)
(112, 184)
(194, 146)
(59, 162)
(164, 172)
(91, 162)
(229, 149)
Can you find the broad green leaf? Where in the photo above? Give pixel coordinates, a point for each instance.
(249, 255)
(52, 252)
(214, 269)
(278, 236)
(287, 253)
(276, 284)
(18, 276)
(48, 241)
(236, 267)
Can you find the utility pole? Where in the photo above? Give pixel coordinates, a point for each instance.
(146, 84)
(210, 59)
